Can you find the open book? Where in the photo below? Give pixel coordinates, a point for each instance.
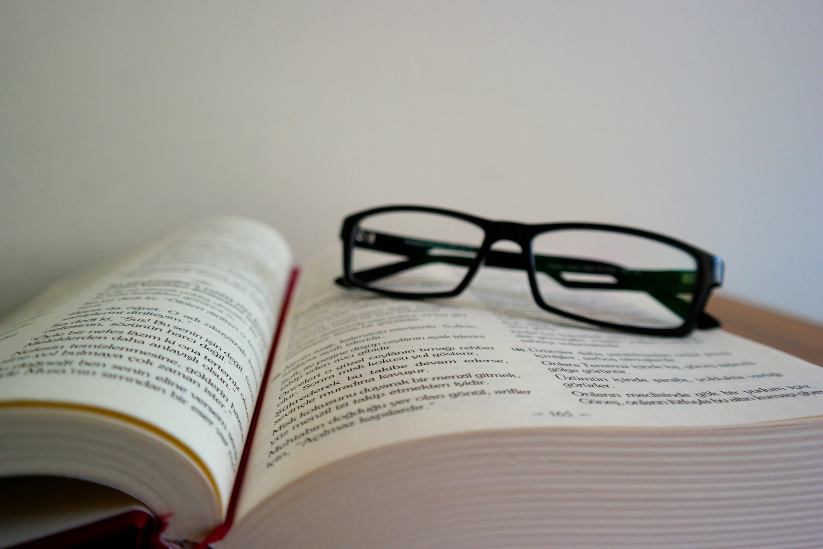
(475, 421)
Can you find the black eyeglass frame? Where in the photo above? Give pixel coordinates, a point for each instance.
(709, 272)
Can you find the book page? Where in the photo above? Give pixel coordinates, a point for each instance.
(177, 338)
(356, 371)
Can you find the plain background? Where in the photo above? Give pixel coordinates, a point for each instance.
(123, 121)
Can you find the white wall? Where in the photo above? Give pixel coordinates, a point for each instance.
(120, 122)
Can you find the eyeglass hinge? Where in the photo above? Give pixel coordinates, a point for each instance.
(717, 271)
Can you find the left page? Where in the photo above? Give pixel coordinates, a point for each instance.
(175, 338)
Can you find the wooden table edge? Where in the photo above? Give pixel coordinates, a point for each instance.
(792, 335)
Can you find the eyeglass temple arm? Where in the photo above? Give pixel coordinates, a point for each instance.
(417, 252)
(661, 285)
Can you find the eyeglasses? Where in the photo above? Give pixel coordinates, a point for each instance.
(615, 277)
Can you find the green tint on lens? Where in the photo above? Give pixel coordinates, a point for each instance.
(615, 277)
(414, 252)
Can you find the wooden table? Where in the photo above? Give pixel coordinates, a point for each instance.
(797, 337)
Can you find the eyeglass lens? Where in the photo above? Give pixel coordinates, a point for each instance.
(414, 252)
(614, 277)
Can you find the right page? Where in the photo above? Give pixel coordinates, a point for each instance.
(356, 371)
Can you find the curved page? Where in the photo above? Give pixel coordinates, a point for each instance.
(176, 338)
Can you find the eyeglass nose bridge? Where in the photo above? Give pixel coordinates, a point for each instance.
(518, 233)
(507, 231)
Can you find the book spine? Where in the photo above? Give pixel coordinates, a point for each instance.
(220, 532)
